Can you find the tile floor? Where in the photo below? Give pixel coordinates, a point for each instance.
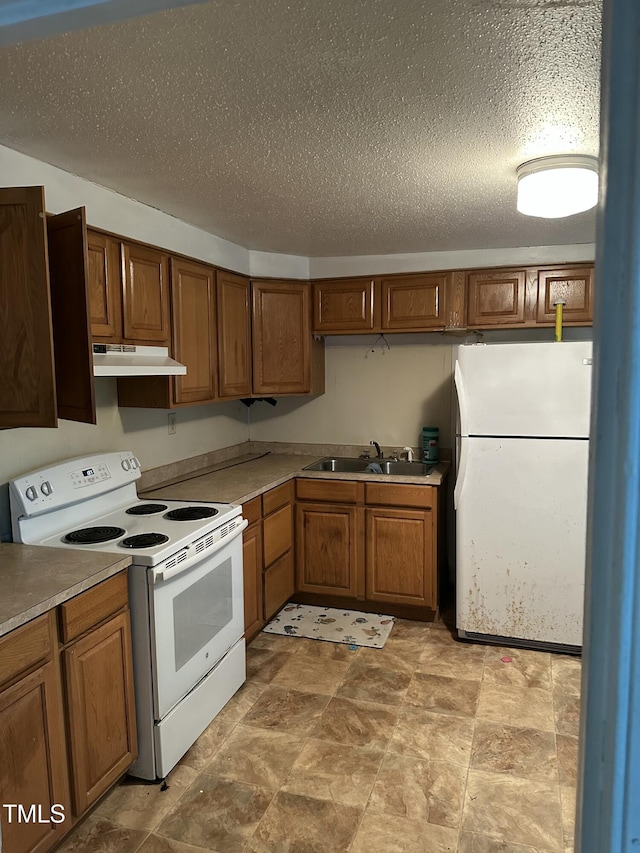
(427, 745)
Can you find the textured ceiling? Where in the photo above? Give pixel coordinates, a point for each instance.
(321, 127)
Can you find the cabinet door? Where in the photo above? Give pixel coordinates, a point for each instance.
(413, 303)
(234, 335)
(27, 390)
(344, 306)
(252, 573)
(281, 338)
(277, 533)
(400, 556)
(33, 763)
(105, 287)
(102, 725)
(575, 286)
(326, 549)
(279, 584)
(145, 295)
(67, 236)
(496, 298)
(194, 330)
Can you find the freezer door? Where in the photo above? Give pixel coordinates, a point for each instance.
(528, 389)
(520, 538)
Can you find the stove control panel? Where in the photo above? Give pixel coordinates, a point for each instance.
(86, 476)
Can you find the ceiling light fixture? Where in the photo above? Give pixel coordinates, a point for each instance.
(552, 187)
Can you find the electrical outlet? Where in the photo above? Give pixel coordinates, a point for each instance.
(171, 429)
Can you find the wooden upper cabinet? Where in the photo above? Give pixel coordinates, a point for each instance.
(413, 302)
(104, 275)
(345, 305)
(67, 237)
(281, 338)
(234, 334)
(145, 293)
(575, 286)
(194, 330)
(496, 298)
(27, 390)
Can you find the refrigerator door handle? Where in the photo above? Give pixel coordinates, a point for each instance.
(462, 400)
(462, 471)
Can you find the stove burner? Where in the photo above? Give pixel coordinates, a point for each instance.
(145, 509)
(93, 535)
(191, 513)
(144, 540)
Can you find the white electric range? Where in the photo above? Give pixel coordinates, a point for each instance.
(185, 589)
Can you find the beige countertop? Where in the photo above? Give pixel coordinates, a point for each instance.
(250, 476)
(34, 579)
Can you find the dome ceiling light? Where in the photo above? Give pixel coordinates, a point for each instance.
(552, 187)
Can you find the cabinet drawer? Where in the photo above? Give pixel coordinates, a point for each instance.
(252, 510)
(24, 647)
(386, 494)
(275, 498)
(335, 491)
(277, 534)
(92, 607)
(278, 585)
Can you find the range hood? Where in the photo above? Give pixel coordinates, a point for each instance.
(129, 360)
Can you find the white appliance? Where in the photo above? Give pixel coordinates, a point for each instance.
(185, 589)
(134, 360)
(521, 491)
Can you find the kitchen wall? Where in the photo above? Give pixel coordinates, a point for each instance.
(373, 391)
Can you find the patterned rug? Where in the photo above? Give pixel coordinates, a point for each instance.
(331, 624)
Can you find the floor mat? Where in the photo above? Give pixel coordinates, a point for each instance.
(332, 624)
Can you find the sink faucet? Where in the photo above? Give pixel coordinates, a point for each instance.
(379, 453)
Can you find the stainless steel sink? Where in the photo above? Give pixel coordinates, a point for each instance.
(349, 465)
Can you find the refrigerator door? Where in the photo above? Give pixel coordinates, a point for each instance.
(520, 538)
(528, 389)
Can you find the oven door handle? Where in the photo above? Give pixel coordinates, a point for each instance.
(159, 575)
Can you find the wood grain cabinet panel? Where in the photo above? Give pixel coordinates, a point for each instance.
(104, 279)
(234, 334)
(400, 556)
(33, 760)
(99, 694)
(27, 390)
(279, 584)
(281, 338)
(194, 330)
(575, 286)
(277, 532)
(496, 298)
(252, 576)
(413, 303)
(75, 388)
(145, 292)
(326, 549)
(345, 305)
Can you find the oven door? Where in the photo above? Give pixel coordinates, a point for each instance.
(197, 614)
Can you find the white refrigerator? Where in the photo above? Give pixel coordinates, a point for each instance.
(521, 491)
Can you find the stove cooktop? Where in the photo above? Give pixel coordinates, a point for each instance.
(150, 532)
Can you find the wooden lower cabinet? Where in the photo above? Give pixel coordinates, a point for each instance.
(33, 761)
(400, 557)
(100, 707)
(380, 545)
(268, 567)
(326, 549)
(67, 716)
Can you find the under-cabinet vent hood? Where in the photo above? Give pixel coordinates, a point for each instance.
(129, 360)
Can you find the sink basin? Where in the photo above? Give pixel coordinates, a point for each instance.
(349, 465)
